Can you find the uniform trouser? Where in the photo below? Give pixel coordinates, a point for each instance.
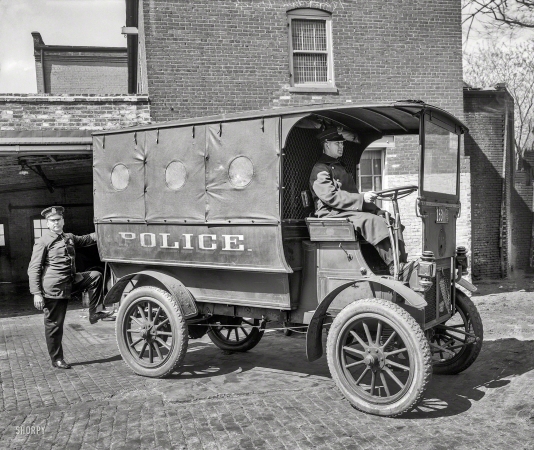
(374, 229)
(54, 317)
(385, 250)
(92, 283)
(55, 310)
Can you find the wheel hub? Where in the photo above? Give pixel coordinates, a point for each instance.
(375, 358)
(149, 332)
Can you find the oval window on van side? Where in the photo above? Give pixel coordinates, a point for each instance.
(120, 177)
(240, 171)
(175, 175)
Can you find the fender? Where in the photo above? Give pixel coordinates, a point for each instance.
(466, 284)
(413, 303)
(179, 292)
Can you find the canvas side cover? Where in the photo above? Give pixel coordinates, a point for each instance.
(242, 170)
(175, 175)
(118, 176)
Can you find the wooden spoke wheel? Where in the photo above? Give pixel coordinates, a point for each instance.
(236, 334)
(151, 332)
(455, 345)
(379, 357)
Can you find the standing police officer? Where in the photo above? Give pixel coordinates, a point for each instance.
(53, 278)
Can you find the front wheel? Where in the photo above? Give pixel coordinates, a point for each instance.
(378, 357)
(456, 344)
(151, 332)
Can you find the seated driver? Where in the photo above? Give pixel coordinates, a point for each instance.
(335, 194)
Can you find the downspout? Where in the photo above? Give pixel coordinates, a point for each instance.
(43, 71)
(502, 215)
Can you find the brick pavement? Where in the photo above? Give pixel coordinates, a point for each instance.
(267, 398)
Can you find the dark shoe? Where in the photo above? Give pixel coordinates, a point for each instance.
(60, 364)
(94, 318)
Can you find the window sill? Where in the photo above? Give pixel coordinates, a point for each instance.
(314, 89)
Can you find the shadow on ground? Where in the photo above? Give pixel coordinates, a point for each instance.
(499, 363)
(519, 280)
(16, 300)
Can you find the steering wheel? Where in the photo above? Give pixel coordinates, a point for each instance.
(395, 193)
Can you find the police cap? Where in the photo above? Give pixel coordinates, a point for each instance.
(330, 134)
(52, 211)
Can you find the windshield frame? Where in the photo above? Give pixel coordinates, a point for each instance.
(445, 124)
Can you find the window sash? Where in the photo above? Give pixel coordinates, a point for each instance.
(371, 180)
(38, 225)
(314, 47)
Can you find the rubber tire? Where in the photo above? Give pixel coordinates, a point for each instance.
(249, 343)
(178, 324)
(415, 341)
(469, 354)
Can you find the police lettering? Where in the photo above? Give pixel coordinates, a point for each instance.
(229, 242)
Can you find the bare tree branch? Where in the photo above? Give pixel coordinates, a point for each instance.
(509, 13)
(488, 65)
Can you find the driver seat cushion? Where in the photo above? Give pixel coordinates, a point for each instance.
(331, 229)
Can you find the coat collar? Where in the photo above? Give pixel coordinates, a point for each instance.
(51, 235)
(324, 158)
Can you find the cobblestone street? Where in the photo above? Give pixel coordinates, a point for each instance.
(270, 397)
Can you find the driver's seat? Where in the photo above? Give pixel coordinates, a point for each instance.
(330, 229)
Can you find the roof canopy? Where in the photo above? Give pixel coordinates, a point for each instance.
(394, 118)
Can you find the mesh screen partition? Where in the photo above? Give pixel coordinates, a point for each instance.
(300, 154)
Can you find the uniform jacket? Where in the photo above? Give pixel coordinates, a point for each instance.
(52, 266)
(334, 189)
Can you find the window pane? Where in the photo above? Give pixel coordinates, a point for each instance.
(365, 167)
(37, 233)
(377, 166)
(367, 184)
(2, 228)
(2, 241)
(309, 35)
(43, 223)
(309, 68)
(441, 153)
(36, 224)
(378, 183)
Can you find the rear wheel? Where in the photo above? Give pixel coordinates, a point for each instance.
(379, 357)
(151, 332)
(455, 345)
(236, 334)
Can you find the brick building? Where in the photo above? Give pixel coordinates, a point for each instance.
(203, 58)
(64, 69)
(490, 114)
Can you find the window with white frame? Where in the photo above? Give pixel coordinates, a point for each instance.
(371, 172)
(39, 225)
(310, 48)
(2, 235)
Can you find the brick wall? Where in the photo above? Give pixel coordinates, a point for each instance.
(208, 57)
(522, 206)
(487, 113)
(67, 112)
(97, 74)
